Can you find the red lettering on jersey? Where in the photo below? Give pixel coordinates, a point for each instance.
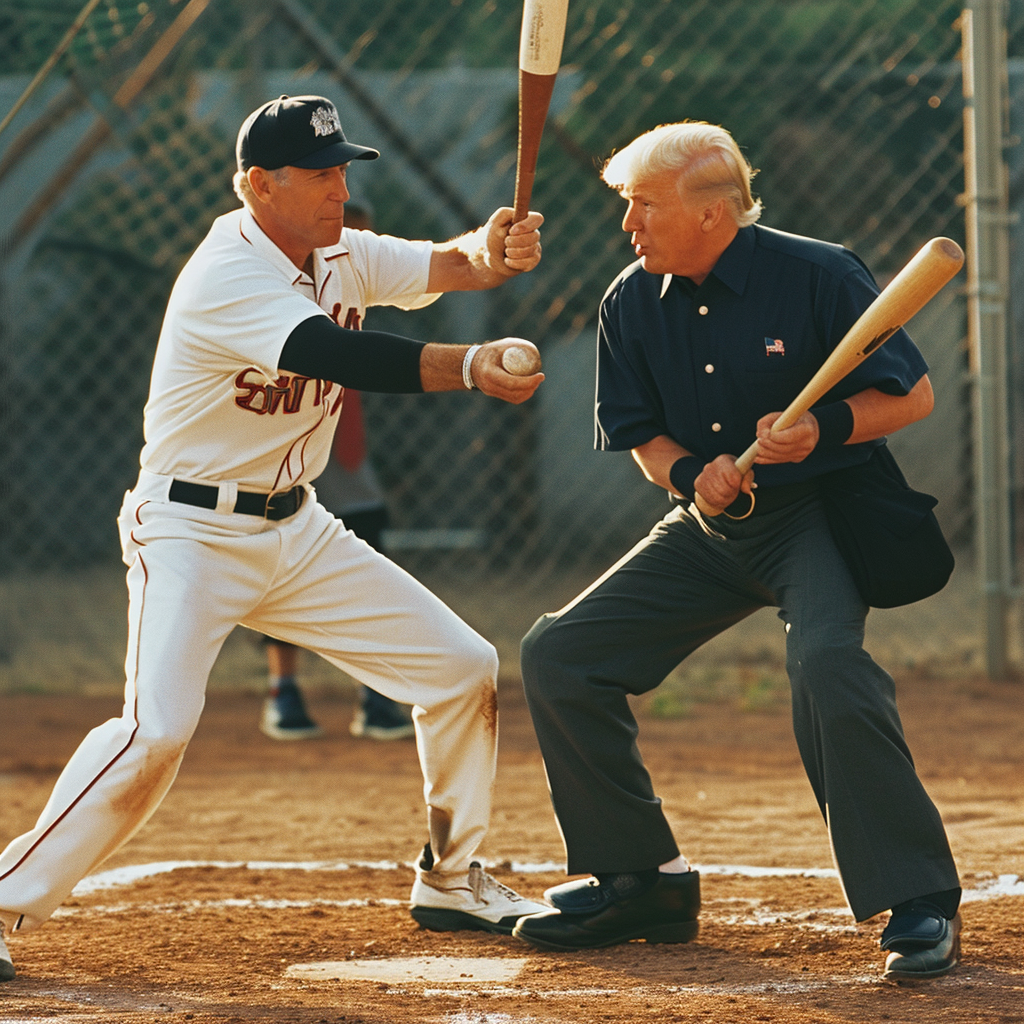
(277, 392)
(286, 393)
(328, 388)
(254, 395)
(295, 393)
(353, 321)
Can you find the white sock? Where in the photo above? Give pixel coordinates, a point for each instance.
(677, 866)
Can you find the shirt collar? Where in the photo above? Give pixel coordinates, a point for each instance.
(264, 245)
(732, 268)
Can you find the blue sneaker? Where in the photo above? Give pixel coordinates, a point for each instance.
(285, 716)
(7, 971)
(380, 718)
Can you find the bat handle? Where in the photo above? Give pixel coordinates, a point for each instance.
(535, 93)
(746, 461)
(524, 189)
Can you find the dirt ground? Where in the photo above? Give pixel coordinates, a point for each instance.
(267, 858)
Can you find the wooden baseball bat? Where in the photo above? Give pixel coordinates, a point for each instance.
(937, 262)
(540, 53)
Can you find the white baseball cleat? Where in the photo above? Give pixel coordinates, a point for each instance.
(471, 901)
(6, 964)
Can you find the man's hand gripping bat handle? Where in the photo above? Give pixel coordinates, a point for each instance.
(909, 291)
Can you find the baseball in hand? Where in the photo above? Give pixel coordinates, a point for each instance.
(520, 361)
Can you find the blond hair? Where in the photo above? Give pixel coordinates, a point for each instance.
(705, 156)
(243, 189)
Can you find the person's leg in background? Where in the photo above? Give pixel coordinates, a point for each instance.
(284, 711)
(285, 716)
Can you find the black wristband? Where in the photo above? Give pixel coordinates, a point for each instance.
(835, 424)
(683, 473)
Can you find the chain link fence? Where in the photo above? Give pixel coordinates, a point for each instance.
(113, 170)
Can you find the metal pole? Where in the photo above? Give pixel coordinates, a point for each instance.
(987, 204)
(50, 62)
(321, 42)
(123, 99)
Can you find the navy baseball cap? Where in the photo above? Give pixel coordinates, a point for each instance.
(296, 131)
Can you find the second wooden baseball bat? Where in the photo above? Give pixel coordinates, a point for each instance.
(540, 53)
(935, 264)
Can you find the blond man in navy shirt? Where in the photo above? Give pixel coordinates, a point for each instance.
(702, 342)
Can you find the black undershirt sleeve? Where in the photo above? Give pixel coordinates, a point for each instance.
(364, 360)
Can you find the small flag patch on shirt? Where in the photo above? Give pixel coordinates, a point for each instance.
(774, 347)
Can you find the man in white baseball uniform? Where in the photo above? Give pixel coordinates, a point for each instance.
(260, 338)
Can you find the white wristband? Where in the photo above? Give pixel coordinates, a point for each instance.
(467, 367)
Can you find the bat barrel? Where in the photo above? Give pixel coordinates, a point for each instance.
(542, 34)
(948, 248)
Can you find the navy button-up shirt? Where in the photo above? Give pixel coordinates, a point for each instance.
(704, 364)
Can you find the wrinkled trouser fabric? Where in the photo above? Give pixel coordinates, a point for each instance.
(193, 575)
(685, 583)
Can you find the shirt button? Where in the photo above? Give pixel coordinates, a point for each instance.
(709, 368)
(703, 310)
(716, 427)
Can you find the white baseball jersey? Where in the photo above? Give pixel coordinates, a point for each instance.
(220, 409)
(221, 412)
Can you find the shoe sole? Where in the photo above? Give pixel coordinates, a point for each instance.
(683, 931)
(7, 972)
(436, 919)
(911, 976)
(291, 734)
(374, 732)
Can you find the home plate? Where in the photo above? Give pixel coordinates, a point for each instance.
(398, 970)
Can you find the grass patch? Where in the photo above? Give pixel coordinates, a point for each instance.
(748, 688)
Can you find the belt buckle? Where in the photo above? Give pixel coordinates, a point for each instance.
(289, 504)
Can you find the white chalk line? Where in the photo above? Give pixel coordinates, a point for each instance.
(732, 911)
(759, 988)
(988, 888)
(132, 873)
(756, 915)
(76, 1018)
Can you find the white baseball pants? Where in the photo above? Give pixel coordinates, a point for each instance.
(193, 576)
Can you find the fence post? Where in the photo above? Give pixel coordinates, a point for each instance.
(985, 180)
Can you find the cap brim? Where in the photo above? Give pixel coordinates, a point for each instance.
(336, 155)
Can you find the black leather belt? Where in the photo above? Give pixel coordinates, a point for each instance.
(267, 506)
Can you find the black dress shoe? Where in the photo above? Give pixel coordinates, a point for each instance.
(593, 914)
(583, 895)
(922, 943)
